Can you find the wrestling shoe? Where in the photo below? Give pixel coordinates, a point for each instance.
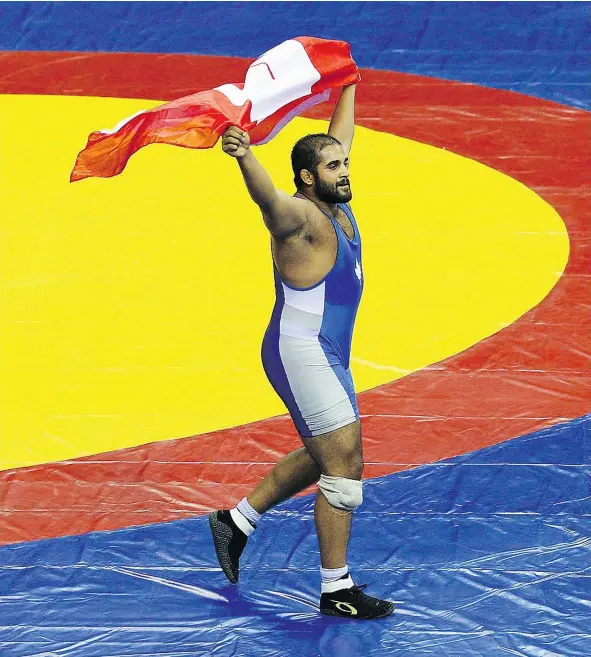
(229, 541)
(353, 603)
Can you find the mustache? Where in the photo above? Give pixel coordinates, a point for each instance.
(343, 183)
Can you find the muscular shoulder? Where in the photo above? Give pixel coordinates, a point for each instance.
(286, 216)
(318, 226)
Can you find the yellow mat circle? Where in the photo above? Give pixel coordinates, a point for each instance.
(134, 308)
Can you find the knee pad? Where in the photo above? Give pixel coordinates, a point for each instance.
(344, 494)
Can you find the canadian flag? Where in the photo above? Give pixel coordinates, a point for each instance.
(279, 85)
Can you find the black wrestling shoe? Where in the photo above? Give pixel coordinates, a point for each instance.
(229, 541)
(353, 603)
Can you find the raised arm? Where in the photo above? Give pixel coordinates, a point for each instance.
(283, 215)
(342, 124)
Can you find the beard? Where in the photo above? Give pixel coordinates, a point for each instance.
(333, 193)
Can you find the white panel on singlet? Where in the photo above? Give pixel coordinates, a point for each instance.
(312, 301)
(320, 396)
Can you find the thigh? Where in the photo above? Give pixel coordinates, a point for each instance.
(313, 384)
(338, 453)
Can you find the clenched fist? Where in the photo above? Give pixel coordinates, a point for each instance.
(235, 142)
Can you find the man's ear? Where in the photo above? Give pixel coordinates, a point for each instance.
(307, 176)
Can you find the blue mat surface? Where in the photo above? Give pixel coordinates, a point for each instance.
(538, 48)
(485, 554)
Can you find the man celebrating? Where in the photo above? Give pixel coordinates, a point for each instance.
(316, 250)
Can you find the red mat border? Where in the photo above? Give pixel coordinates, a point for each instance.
(531, 375)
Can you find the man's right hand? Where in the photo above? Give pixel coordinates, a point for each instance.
(283, 215)
(235, 142)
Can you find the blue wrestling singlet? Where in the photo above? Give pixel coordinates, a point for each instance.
(307, 345)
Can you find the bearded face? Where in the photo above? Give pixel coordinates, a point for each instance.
(328, 178)
(338, 191)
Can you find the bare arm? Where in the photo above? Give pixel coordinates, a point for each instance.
(342, 124)
(283, 215)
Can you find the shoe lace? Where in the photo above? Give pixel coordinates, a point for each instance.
(367, 599)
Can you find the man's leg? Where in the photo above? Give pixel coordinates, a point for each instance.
(340, 457)
(292, 474)
(230, 529)
(336, 454)
(339, 454)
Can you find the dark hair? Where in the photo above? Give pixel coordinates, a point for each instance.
(306, 154)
